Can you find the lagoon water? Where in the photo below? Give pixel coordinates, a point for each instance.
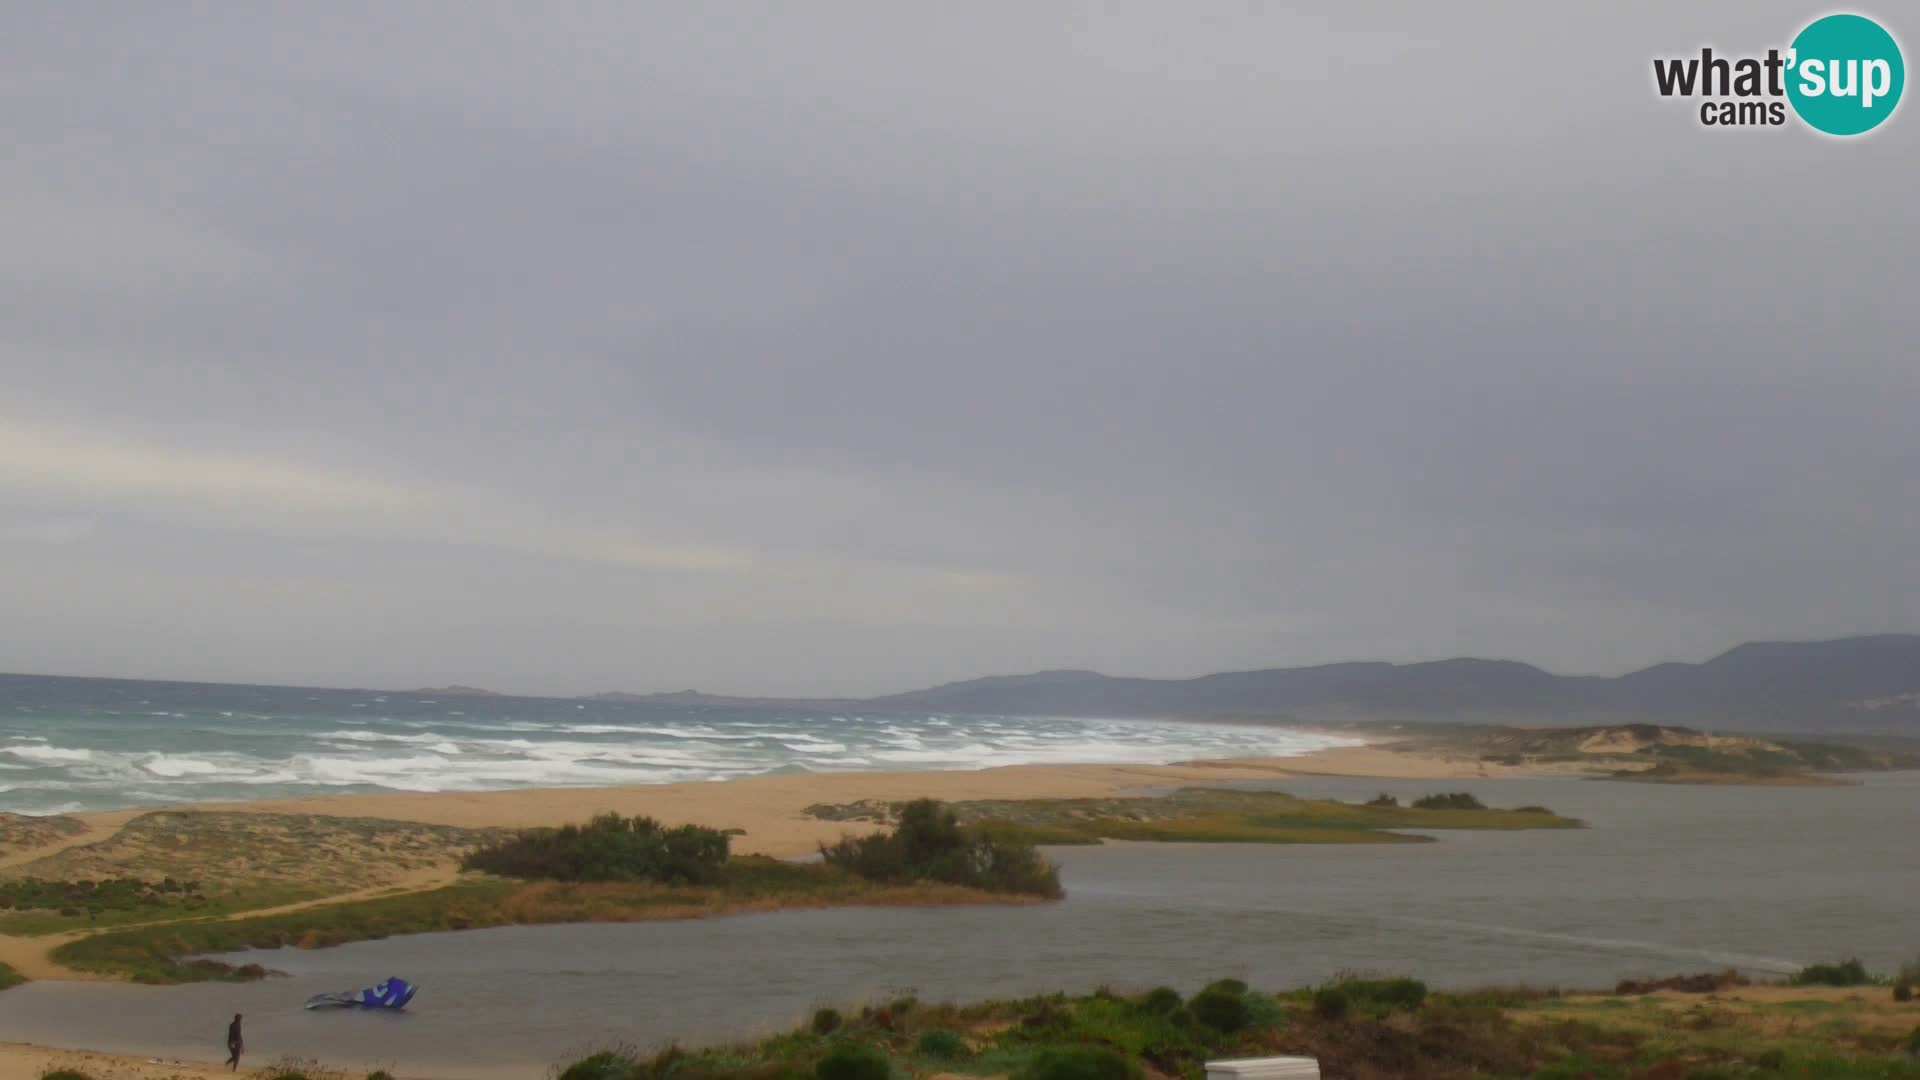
(1665, 880)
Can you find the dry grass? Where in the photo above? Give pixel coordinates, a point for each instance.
(21, 833)
(236, 852)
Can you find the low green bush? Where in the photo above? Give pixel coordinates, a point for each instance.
(605, 1065)
(1455, 800)
(943, 1044)
(929, 844)
(64, 1074)
(826, 1021)
(1079, 1063)
(1220, 1009)
(1161, 1000)
(609, 848)
(1330, 1003)
(1849, 972)
(849, 1061)
(1903, 991)
(1385, 995)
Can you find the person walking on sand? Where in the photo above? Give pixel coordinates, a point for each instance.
(235, 1043)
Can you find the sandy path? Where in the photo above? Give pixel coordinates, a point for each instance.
(100, 826)
(33, 956)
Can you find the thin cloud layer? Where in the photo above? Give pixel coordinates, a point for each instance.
(846, 351)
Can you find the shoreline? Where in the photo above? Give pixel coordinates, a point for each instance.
(771, 808)
(772, 811)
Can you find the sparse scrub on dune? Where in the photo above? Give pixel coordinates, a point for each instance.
(64, 1074)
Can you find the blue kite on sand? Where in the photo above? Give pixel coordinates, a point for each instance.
(391, 994)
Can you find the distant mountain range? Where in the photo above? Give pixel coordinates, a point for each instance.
(1860, 684)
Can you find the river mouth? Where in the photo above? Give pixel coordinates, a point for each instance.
(1666, 879)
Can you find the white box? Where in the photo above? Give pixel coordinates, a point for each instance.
(1272, 1068)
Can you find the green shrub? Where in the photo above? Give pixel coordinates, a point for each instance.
(609, 848)
(1386, 995)
(903, 1005)
(826, 1021)
(1903, 991)
(1845, 973)
(379, 1074)
(1161, 1000)
(1772, 1060)
(605, 1065)
(849, 1061)
(64, 1074)
(1264, 1010)
(1330, 1003)
(1079, 1063)
(1456, 800)
(1383, 799)
(930, 845)
(943, 1044)
(1913, 1043)
(1230, 986)
(1220, 1010)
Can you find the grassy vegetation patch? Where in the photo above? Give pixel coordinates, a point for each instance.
(155, 954)
(1212, 815)
(10, 978)
(1388, 1027)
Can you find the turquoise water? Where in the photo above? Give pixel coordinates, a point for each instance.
(90, 744)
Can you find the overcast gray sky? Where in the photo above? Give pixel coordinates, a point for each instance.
(849, 347)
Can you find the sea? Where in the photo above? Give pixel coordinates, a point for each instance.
(69, 745)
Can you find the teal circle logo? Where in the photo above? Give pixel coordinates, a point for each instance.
(1846, 74)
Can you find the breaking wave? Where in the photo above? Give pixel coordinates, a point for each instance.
(89, 756)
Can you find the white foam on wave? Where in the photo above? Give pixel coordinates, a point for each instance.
(173, 767)
(370, 752)
(48, 754)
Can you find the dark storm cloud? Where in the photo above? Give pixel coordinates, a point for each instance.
(843, 350)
